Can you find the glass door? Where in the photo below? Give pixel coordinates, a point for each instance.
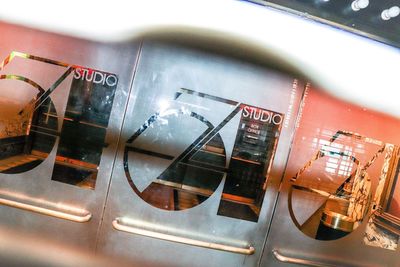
(203, 146)
(337, 206)
(60, 105)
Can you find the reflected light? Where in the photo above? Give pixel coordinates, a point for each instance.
(163, 105)
(359, 4)
(392, 12)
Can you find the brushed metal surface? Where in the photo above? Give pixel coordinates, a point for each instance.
(298, 261)
(163, 69)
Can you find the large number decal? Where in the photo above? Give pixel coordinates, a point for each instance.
(30, 124)
(180, 155)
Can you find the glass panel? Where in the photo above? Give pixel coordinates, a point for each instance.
(83, 133)
(336, 183)
(29, 121)
(28, 118)
(27, 136)
(383, 229)
(340, 173)
(179, 156)
(252, 156)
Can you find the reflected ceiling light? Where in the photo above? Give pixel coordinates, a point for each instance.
(392, 12)
(163, 105)
(359, 4)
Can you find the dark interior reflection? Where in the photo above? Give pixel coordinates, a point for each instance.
(83, 133)
(191, 181)
(252, 156)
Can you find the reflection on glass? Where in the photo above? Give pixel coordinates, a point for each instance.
(331, 194)
(383, 228)
(252, 155)
(29, 122)
(83, 133)
(28, 119)
(186, 182)
(393, 205)
(177, 159)
(180, 155)
(27, 131)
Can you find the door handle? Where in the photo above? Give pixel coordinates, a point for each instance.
(286, 259)
(139, 228)
(44, 207)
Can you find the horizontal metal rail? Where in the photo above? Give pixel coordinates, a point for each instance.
(119, 224)
(312, 263)
(62, 213)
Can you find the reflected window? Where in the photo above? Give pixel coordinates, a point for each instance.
(336, 165)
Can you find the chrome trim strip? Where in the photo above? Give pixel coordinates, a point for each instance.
(118, 225)
(305, 262)
(85, 217)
